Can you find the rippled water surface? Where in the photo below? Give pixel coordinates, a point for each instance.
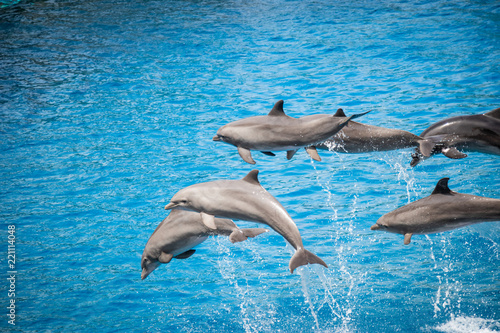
(108, 108)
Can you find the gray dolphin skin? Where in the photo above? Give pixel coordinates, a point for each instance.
(247, 200)
(182, 230)
(443, 210)
(361, 138)
(474, 133)
(279, 132)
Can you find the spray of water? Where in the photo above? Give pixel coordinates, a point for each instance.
(253, 315)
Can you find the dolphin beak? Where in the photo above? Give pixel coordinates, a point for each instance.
(144, 273)
(216, 138)
(171, 205)
(375, 227)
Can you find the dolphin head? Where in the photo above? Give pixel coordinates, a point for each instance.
(378, 226)
(383, 224)
(226, 134)
(187, 199)
(149, 263)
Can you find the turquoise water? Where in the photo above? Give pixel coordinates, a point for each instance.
(107, 109)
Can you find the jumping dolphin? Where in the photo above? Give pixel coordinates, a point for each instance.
(244, 199)
(278, 132)
(443, 210)
(478, 133)
(361, 138)
(182, 230)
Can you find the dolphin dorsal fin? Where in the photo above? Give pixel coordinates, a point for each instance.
(252, 177)
(494, 114)
(339, 113)
(277, 109)
(442, 187)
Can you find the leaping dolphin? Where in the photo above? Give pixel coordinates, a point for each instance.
(361, 138)
(182, 230)
(443, 210)
(244, 199)
(474, 133)
(278, 132)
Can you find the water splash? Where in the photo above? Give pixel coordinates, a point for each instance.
(462, 324)
(304, 280)
(343, 307)
(254, 316)
(398, 162)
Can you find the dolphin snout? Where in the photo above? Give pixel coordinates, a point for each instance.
(171, 205)
(375, 227)
(216, 138)
(144, 273)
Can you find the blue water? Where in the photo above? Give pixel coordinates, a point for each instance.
(107, 109)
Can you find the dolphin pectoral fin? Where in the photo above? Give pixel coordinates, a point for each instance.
(252, 232)
(208, 220)
(241, 235)
(237, 236)
(303, 257)
(407, 238)
(426, 147)
(313, 153)
(246, 155)
(290, 153)
(268, 153)
(165, 258)
(185, 255)
(452, 152)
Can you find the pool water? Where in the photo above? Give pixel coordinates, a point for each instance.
(108, 108)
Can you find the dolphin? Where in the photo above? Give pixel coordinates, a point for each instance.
(182, 230)
(278, 132)
(244, 199)
(361, 138)
(443, 210)
(474, 133)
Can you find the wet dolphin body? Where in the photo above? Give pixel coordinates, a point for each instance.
(182, 230)
(443, 210)
(478, 133)
(247, 200)
(361, 138)
(279, 132)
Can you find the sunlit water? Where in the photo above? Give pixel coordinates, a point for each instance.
(107, 108)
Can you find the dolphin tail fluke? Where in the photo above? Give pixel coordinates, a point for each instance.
(347, 119)
(241, 235)
(303, 257)
(354, 116)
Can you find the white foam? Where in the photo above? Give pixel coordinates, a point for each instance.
(469, 325)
